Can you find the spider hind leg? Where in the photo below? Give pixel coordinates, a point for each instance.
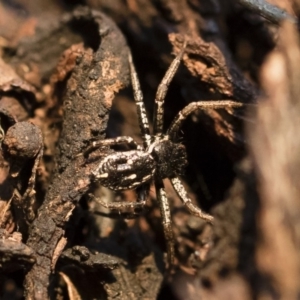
(194, 210)
(138, 206)
(167, 222)
(126, 140)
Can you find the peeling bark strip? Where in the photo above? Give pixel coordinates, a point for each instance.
(95, 79)
(211, 65)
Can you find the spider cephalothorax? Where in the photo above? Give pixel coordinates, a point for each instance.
(170, 158)
(160, 157)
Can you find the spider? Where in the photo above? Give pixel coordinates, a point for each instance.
(161, 156)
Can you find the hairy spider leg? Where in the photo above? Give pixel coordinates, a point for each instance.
(167, 222)
(162, 91)
(113, 142)
(199, 105)
(138, 97)
(121, 205)
(194, 210)
(172, 132)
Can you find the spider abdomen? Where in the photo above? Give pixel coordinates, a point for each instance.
(125, 170)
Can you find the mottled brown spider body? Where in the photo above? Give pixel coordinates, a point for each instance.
(130, 169)
(125, 170)
(161, 156)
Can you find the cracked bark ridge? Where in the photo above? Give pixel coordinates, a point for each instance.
(91, 87)
(89, 260)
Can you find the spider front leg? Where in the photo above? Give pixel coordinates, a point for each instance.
(196, 211)
(200, 105)
(112, 142)
(138, 97)
(167, 223)
(162, 91)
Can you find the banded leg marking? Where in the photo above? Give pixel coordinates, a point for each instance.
(112, 142)
(138, 97)
(196, 211)
(167, 223)
(200, 105)
(162, 91)
(121, 205)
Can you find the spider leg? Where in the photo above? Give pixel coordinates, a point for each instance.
(120, 205)
(200, 105)
(196, 211)
(112, 142)
(142, 194)
(162, 91)
(138, 97)
(167, 223)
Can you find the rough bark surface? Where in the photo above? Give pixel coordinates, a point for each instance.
(64, 83)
